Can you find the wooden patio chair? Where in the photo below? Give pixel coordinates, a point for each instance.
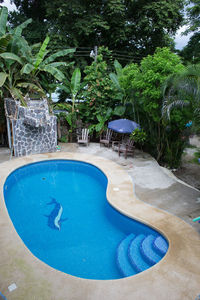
(105, 138)
(84, 137)
(125, 146)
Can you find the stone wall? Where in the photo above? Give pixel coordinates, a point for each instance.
(31, 129)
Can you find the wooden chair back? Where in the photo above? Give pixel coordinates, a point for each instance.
(85, 133)
(109, 133)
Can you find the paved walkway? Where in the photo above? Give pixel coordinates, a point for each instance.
(153, 184)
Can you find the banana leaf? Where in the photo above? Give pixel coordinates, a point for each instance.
(42, 52)
(75, 81)
(57, 64)
(118, 68)
(52, 57)
(31, 87)
(19, 45)
(18, 29)
(4, 41)
(3, 77)
(3, 20)
(64, 88)
(54, 72)
(119, 110)
(11, 56)
(115, 80)
(27, 69)
(16, 94)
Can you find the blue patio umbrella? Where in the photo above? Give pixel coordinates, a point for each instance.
(123, 125)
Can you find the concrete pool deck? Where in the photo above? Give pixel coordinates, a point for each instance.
(176, 277)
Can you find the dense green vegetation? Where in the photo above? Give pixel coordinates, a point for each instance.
(137, 27)
(191, 52)
(148, 83)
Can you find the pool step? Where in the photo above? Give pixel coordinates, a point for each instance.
(136, 253)
(147, 251)
(160, 245)
(135, 256)
(123, 261)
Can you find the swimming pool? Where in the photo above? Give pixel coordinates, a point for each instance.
(60, 211)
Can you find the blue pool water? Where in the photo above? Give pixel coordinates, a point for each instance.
(60, 211)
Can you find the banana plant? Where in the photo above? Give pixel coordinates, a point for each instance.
(72, 87)
(102, 119)
(11, 81)
(115, 77)
(19, 67)
(41, 63)
(10, 62)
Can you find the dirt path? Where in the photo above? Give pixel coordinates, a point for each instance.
(189, 172)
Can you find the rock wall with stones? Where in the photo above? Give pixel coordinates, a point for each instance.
(32, 129)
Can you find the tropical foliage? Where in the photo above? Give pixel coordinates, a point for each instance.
(22, 66)
(183, 90)
(193, 12)
(99, 95)
(143, 84)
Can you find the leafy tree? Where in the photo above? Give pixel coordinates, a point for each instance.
(191, 52)
(193, 13)
(163, 136)
(99, 94)
(153, 72)
(122, 25)
(151, 23)
(183, 89)
(35, 9)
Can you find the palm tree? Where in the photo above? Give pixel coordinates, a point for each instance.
(183, 89)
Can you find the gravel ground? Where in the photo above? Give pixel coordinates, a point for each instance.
(189, 172)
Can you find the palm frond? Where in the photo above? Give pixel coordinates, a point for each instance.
(170, 103)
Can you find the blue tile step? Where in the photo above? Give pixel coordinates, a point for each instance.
(136, 259)
(123, 262)
(160, 245)
(148, 252)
